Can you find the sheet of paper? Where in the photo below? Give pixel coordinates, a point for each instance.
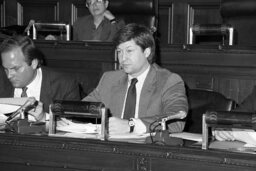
(66, 125)
(9, 105)
(80, 128)
(14, 101)
(6, 108)
(245, 135)
(188, 136)
(129, 137)
(77, 135)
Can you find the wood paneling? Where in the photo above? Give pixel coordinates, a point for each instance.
(2, 13)
(230, 71)
(183, 14)
(175, 17)
(40, 11)
(86, 61)
(165, 33)
(78, 10)
(30, 153)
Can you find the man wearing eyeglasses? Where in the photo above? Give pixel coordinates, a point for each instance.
(101, 25)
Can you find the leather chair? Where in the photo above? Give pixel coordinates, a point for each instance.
(201, 101)
(136, 11)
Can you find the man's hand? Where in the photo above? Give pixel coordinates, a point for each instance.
(38, 112)
(118, 126)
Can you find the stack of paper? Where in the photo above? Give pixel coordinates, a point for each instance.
(188, 136)
(67, 125)
(129, 137)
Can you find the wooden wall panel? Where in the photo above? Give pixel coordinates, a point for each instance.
(165, 22)
(86, 62)
(204, 13)
(183, 14)
(179, 22)
(40, 11)
(231, 72)
(175, 17)
(78, 10)
(2, 13)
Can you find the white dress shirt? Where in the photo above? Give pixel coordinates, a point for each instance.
(34, 88)
(139, 125)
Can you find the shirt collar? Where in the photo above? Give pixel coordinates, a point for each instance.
(36, 79)
(141, 77)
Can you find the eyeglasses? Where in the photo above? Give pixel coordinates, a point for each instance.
(92, 2)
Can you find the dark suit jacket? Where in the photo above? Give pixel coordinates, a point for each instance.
(163, 94)
(55, 86)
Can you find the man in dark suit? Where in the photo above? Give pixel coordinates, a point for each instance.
(22, 62)
(159, 92)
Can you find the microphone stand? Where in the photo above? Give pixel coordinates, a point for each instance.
(162, 136)
(21, 125)
(15, 123)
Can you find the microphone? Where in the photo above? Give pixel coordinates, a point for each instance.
(31, 22)
(28, 105)
(162, 137)
(179, 115)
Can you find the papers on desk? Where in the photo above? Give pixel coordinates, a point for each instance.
(129, 137)
(14, 101)
(66, 125)
(80, 128)
(9, 105)
(245, 135)
(67, 128)
(188, 136)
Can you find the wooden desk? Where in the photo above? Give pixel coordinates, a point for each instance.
(25, 152)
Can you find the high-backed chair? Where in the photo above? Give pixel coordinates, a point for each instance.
(201, 101)
(136, 11)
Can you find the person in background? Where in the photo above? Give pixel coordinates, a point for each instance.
(22, 63)
(100, 25)
(141, 92)
(244, 135)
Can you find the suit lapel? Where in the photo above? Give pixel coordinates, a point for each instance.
(118, 94)
(147, 91)
(45, 88)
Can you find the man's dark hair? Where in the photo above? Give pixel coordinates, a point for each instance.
(27, 46)
(140, 34)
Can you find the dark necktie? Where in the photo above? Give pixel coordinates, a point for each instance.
(129, 111)
(24, 92)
